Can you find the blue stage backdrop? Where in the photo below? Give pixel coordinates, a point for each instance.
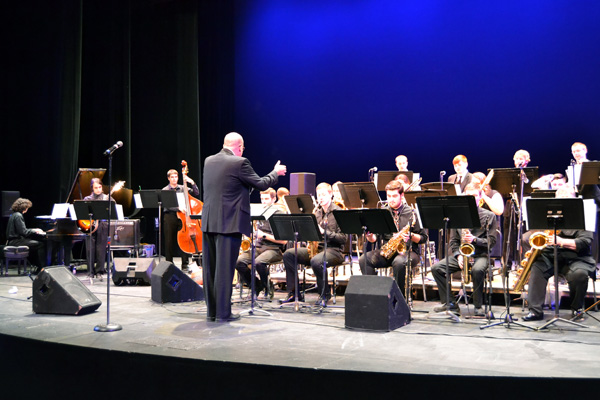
(337, 87)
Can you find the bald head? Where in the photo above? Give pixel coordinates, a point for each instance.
(234, 142)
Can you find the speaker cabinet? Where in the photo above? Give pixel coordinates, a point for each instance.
(57, 291)
(303, 183)
(375, 303)
(124, 233)
(171, 285)
(133, 271)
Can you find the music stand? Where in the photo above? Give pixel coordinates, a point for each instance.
(300, 203)
(451, 212)
(385, 177)
(448, 187)
(360, 221)
(560, 213)
(411, 199)
(157, 198)
(256, 213)
(295, 227)
(360, 194)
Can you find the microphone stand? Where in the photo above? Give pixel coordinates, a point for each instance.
(108, 327)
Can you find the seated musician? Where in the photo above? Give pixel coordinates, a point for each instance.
(479, 239)
(462, 177)
(336, 241)
(17, 234)
(490, 199)
(268, 250)
(404, 217)
(171, 223)
(557, 181)
(402, 163)
(521, 158)
(99, 238)
(281, 193)
(574, 262)
(337, 195)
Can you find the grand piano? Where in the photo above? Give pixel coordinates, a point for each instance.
(63, 233)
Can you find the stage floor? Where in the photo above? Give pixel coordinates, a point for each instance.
(309, 339)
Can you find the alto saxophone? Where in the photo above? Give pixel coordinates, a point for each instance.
(466, 250)
(396, 244)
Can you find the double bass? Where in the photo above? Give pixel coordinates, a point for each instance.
(189, 237)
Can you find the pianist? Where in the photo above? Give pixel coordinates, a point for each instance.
(18, 234)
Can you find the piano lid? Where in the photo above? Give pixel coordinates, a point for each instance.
(81, 186)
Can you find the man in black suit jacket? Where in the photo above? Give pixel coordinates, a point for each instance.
(462, 176)
(228, 178)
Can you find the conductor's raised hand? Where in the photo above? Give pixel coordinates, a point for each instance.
(280, 168)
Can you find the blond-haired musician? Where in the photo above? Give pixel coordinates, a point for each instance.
(492, 199)
(521, 158)
(335, 244)
(402, 163)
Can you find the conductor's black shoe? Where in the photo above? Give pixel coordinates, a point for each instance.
(212, 319)
(444, 307)
(533, 317)
(232, 317)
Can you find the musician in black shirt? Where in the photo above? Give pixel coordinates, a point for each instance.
(267, 249)
(335, 244)
(479, 239)
(99, 237)
(171, 223)
(404, 219)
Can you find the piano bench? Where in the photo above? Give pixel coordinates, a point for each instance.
(18, 254)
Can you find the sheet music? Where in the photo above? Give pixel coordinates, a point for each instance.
(120, 214)
(416, 176)
(574, 174)
(138, 200)
(181, 200)
(589, 210)
(59, 210)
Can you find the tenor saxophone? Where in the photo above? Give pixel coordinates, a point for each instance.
(466, 250)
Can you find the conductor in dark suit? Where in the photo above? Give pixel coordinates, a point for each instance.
(228, 179)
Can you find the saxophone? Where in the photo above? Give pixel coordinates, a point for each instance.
(538, 242)
(396, 244)
(466, 250)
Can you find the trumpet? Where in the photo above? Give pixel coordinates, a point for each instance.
(466, 250)
(538, 242)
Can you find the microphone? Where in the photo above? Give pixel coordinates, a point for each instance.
(374, 169)
(442, 173)
(112, 148)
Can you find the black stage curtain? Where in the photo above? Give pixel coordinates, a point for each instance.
(81, 75)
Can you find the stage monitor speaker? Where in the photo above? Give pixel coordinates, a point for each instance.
(133, 271)
(375, 303)
(57, 291)
(172, 285)
(303, 183)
